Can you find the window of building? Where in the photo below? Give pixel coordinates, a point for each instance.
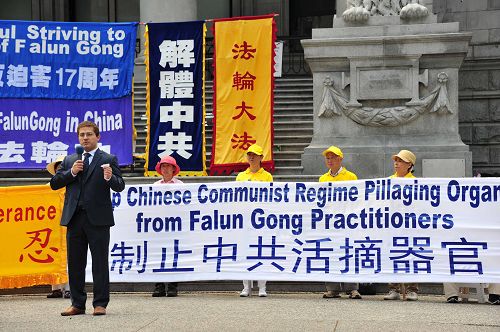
(104, 10)
(310, 14)
(16, 10)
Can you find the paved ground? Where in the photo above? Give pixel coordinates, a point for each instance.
(225, 311)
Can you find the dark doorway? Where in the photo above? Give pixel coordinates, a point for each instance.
(104, 10)
(305, 15)
(310, 14)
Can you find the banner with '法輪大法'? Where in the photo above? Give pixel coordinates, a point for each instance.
(243, 91)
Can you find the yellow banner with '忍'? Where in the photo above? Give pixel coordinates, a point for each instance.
(33, 244)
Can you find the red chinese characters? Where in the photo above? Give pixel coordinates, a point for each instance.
(242, 141)
(245, 50)
(244, 109)
(37, 255)
(243, 82)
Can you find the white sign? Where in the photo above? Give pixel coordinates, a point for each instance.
(379, 230)
(278, 58)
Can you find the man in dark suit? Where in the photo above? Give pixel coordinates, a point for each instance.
(88, 215)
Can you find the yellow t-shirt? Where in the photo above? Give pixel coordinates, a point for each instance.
(344, 175)
(408, 175)
(261, 175)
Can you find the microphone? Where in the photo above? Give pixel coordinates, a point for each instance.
(79, 151)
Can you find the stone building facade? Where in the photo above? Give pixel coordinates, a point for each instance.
(479, 76)
(479, 79)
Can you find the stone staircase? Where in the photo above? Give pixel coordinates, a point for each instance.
(293, 128)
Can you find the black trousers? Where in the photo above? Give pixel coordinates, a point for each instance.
(171, 285)
(80, 236)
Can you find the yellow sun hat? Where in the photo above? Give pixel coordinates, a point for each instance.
(255, 149)
(335, 150)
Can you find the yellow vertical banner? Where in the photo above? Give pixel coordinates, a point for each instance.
(33, 244)
(243, 91)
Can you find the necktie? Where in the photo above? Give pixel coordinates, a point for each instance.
(86, 163)
(86, 157)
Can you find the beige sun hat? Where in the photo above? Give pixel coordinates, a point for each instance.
(52, 166)
(406, 155)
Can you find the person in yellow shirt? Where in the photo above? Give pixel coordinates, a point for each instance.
(404, 162)
(336, 172)
(254, 172)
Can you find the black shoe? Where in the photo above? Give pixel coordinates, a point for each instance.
(452, 299)
(55, 294)
(159, 290)
(172, 289)
(67, 294)
(494, 299)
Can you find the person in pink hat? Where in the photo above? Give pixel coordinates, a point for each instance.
(167, 167)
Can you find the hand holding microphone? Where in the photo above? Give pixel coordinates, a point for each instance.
(78, 164)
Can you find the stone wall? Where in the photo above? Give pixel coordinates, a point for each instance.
(479, 79)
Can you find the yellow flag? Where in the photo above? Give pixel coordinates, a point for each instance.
(33, 244)
(243, 92)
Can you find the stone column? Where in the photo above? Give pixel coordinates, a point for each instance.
(386, 78)
(161, 11)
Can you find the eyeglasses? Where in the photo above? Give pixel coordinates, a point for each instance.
(88, 134)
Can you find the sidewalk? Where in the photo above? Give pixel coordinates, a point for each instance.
(226, 311)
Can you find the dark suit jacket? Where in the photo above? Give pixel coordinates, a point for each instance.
(97, 202)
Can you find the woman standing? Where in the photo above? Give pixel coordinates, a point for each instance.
(167, 167)
(254, 172)
(404, 162)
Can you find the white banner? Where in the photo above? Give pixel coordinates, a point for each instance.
(278, 58)
(380, 230)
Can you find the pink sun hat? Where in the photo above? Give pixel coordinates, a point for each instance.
(167, 160)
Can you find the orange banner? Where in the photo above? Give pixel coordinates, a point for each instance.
(243, 92)
(33, 244)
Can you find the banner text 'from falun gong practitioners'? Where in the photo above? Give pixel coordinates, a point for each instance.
(319, 195)
(381, 230)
